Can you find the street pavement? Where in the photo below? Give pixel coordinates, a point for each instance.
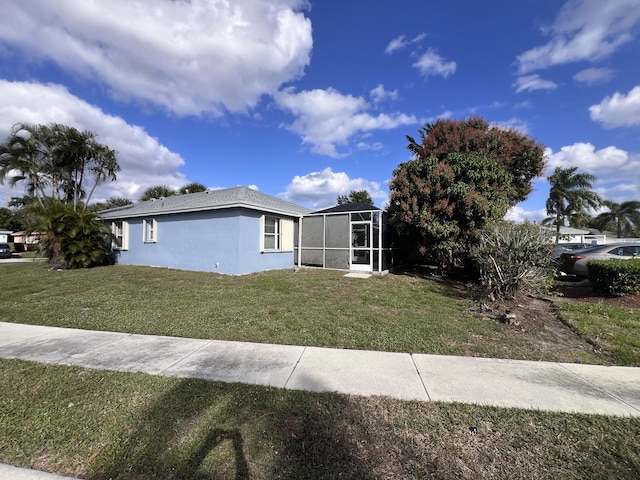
(551, 386)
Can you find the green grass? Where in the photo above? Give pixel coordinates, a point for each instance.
(310, 307)
(100, 425)
(614, 330)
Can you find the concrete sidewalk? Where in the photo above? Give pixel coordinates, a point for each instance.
(558, 387)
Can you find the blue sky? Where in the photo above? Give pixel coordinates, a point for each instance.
(310, 100)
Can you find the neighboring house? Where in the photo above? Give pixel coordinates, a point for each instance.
(232, 231)
(595, 237)
(4, 235)
(22, 241)
(353, 236)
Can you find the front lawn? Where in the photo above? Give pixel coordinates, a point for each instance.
(397, 312)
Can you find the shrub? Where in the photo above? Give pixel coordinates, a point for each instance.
(615, 277)
(513, 258)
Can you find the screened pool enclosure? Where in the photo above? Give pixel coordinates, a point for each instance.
(354, 237)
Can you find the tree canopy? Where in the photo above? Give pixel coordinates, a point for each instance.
(355, 196)
(463, 177)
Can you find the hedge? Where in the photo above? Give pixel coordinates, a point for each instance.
(615, 277)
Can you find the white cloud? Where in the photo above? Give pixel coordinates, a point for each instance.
(615, 169)
(592, 76)
(401, 42)
(379, 94)
(193, 57)
(321, 189)
(584, 30)
(618, 110)
(533, 82)
(397, 43)
(375, 146)
(587, 158)
(520, 215)
(514, 124)
(327, 119)
(144, 161)
(430, 63)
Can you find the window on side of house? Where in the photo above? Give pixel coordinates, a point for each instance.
(276, 234)
(120, 231)
(271, 234)
(149, 230)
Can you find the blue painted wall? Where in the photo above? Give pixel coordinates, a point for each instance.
(200, 240)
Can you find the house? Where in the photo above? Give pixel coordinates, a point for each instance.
(354, 236)
(4, 235)
(232, 231)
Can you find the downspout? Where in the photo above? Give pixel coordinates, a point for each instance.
(300, 241)
(380, 243)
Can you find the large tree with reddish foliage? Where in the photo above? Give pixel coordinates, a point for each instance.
(462, 179)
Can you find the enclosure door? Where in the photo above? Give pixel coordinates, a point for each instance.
(361, 255)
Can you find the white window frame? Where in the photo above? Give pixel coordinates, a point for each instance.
(264, 234)
(120, 229)
(149, 230)
(283, 234)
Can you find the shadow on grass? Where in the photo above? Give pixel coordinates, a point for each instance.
(199, 430)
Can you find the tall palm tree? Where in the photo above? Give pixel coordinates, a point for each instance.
(625, 214)
(570, 196)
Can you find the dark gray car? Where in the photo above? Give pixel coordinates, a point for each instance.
(5, 250)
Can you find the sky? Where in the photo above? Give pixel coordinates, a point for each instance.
(308, 100)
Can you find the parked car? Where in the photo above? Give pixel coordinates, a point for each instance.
(560, 248)
(5, 250)
(576, 262)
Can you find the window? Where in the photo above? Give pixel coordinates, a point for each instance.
(120, 231)
(271, 233)
(276, 234)
(149, 230)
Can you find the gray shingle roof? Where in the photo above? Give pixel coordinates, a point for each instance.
(349, 207)
(209, 200)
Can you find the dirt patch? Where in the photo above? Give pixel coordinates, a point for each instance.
(534, 320)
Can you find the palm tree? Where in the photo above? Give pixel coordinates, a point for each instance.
(56, 161)
(622, 215)
(25, 156)
(157, 191)
(570, 196)
(192, 187)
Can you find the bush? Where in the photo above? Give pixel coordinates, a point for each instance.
(615, 277)
(513, 258)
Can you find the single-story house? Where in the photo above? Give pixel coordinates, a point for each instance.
(4, 235)
(353, 236)
(22, 241)
(588, 235)
(233, 231)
